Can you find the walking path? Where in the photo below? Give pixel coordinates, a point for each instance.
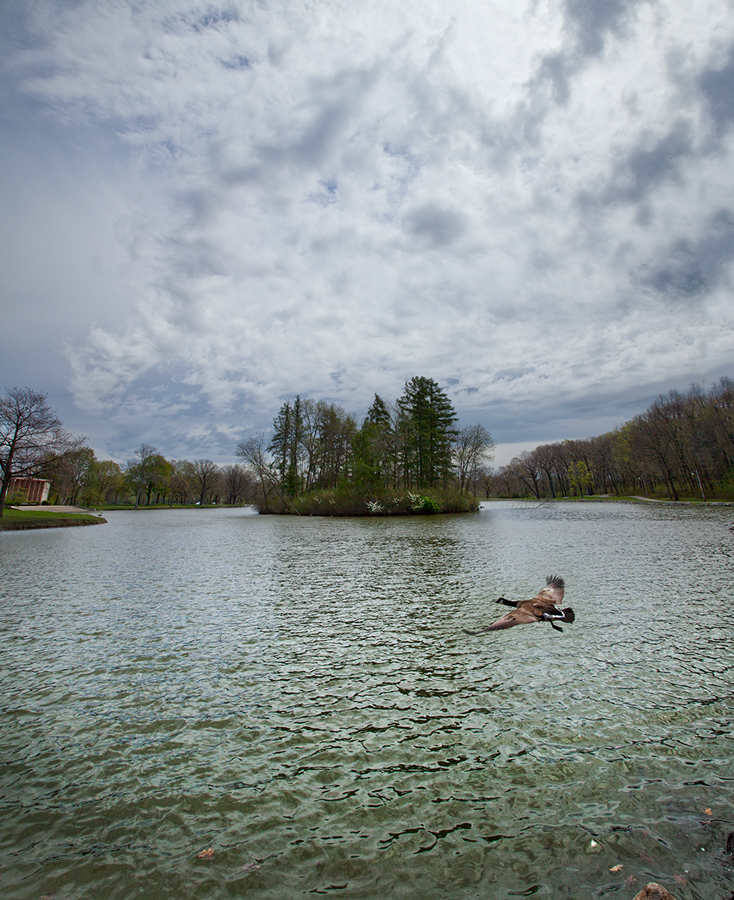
(58, 509)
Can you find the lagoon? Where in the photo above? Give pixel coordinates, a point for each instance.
(212, 703)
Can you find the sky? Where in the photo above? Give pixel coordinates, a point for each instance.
(208, 208)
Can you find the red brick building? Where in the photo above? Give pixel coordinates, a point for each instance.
(35, 489)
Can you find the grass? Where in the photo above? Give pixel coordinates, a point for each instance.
(22, 520)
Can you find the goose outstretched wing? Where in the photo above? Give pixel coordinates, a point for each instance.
(515, 617)
(553, 589)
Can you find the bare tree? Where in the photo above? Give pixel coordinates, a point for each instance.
(206, 477)
(180, 481)
(72, 473)
(254, 453)
(32, 438)
(525, 468)
(236, 481)
(473, 446)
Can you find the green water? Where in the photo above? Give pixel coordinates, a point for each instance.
(297, 696)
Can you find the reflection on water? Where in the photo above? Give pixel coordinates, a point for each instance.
(297, 696)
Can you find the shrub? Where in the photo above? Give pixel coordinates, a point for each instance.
(345, 503)
(17, 498)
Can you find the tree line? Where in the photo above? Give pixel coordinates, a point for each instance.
(34, 444)
(681, 446)
(149, 479)
(412, 445)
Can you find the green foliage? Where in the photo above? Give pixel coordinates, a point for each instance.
(580, 478)
(374, 449)
(727, 486)
(426, 425)
(400, 461)
(16, 498)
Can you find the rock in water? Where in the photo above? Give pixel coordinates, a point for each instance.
(653, 891)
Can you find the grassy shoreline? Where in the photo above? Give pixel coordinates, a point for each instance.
(25, 520)
(614, 498)
(338, 503)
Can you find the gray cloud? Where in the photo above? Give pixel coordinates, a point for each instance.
(689, 268)
(593, 23)
(717, 87)
(645, 168)
(328, 200)
(437, 224)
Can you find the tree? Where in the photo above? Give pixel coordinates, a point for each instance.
(654, 439)
(525, 468)
(427, 424)
(545, 460)
(334, 433)
(374, 448)
(206, 478)
(71, 474)
(149, 472)
(32, 438)
(237, 482)
(180, 481)
(105, 482)
(254, 454)
(473, 446)
(580, 477)
(286, 445)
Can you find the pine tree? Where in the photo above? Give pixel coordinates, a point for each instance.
(374, 448)
(285, 445)
(427, 420)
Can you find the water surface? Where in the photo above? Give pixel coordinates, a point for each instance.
(295, 699)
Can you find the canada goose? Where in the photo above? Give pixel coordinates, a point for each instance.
(542, 608)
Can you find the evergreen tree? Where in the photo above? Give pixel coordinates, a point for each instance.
(286, 445)
(427, 421)
(374, 448)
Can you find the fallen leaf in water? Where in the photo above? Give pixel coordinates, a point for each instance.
(206, 854)
(617, 868)
(708, 812)
(645, 858)
(680, 879)
(630, 880)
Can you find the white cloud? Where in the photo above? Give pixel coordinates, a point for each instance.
(530, 204)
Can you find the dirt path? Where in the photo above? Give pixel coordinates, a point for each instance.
(58, 509)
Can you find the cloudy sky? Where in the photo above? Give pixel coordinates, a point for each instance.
(209, 207)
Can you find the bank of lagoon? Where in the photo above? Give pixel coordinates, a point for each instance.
(34, 517)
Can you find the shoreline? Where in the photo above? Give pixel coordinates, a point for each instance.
(30, 518)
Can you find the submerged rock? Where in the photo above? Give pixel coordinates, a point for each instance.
(653, 891)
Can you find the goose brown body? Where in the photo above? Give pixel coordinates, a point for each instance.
(544, 607)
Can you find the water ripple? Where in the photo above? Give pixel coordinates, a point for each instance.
(298, 697)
